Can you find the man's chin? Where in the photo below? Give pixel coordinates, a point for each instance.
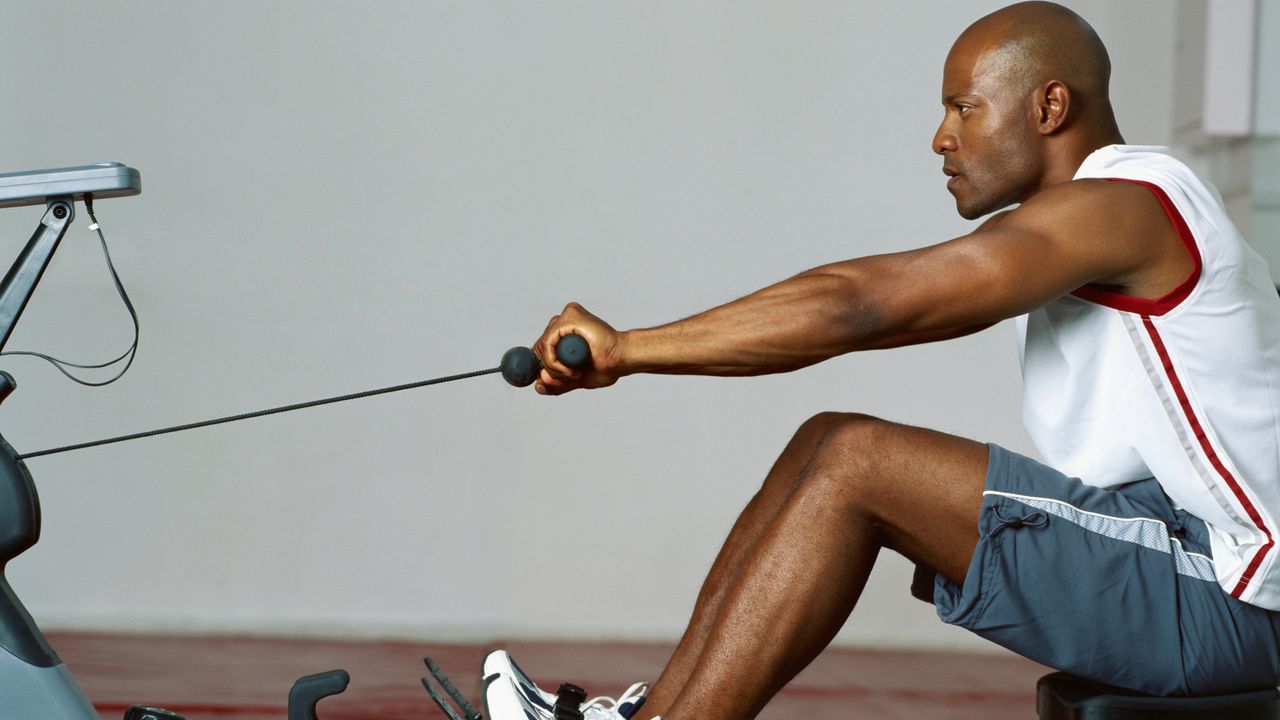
(968, 211)
(972, 210)
(967, 208)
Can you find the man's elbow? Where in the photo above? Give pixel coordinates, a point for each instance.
(858, 314)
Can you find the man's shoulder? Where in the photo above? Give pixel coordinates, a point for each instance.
(1093, 205)
(1119, 230)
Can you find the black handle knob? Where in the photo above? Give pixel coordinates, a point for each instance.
(520, 366)
(309, 690)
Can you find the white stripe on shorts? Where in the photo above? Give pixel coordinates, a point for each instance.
(1147, 532)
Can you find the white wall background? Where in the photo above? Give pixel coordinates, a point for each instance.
(1265, 221)
(339, 196)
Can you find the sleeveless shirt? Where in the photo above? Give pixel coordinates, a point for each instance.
(1184, 388)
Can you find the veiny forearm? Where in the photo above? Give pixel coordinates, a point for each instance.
(798, 322)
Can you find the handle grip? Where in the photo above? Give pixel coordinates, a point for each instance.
(311, 689)
(520, 366)
(574, 351)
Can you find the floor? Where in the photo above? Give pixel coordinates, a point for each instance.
(249, 678)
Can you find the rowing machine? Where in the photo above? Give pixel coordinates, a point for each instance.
(34, 682)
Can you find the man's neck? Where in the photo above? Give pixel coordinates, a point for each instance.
(1062, 165)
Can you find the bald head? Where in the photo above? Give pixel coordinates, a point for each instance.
(1032, 43)
(1025, 93)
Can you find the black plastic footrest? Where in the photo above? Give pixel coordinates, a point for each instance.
(143, 712)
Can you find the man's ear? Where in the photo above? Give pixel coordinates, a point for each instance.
(1053, 104)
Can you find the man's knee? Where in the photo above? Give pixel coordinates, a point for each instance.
(852, 439)
(846, 459)
(845, 426)
(817, 426)
(814, 436)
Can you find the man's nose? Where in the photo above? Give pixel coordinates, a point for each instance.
(944, 140)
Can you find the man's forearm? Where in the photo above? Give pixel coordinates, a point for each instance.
(798, 322)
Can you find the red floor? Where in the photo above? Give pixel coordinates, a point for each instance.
(249, 678)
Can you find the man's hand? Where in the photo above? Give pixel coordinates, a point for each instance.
(606, 352)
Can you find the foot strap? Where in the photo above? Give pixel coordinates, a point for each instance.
(569, 699)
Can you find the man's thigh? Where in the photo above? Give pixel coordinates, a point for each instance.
(923, 488)
(1111, 584)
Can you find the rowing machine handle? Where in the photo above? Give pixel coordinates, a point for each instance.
(520, 366)
(309, 690)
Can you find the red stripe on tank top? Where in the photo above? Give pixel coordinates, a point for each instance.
(1214, 460)
(1162, 305)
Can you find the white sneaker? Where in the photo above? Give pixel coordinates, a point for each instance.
(504, 699)
(607, 708)
(499, 662)
(522, 698)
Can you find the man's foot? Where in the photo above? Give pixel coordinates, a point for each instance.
(624, 707)
(499, 662)
(510, 694)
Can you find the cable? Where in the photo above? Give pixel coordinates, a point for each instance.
(131, 353)
(259, 413)
(516, 368)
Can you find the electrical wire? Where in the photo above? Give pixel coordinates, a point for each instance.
(131, 353)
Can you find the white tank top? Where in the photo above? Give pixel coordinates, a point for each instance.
(1185, 388)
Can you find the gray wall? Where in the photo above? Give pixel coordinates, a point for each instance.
(1265, 221)
(340, 195)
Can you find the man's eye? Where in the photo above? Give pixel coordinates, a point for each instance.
(964, 109)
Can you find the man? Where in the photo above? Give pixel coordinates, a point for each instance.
(1142, 553)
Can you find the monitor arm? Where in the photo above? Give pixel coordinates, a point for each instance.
(57, 190)
(21, 279)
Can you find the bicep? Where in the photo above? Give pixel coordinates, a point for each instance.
(980, 278)
(1037, 253)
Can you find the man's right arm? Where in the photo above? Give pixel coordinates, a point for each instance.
(1061, 239)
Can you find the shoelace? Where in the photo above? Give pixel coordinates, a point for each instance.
(608, 704)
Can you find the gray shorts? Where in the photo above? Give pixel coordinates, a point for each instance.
(1112, 585)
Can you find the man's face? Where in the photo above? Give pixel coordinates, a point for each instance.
(987, 138)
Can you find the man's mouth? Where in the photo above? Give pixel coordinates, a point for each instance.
(953, 177)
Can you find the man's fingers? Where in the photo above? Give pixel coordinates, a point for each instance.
(557, 378)
(551, 359)
(539, 346)
(554, 381)
(548, 385)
